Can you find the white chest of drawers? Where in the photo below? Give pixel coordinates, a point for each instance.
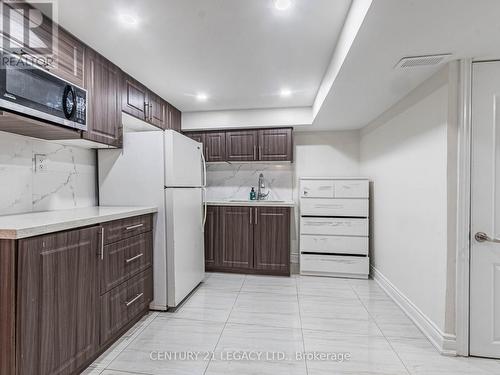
(334, 227)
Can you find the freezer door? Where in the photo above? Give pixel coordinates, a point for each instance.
(185, 250)
(183, 161)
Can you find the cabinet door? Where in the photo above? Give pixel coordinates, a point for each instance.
(69, 59)
(102, 80)
(157, 111)
(211, 237)
(215, 146)
(174, 118)
(135, 98)
(275, 145)
(272, 239)
(58, 302)
(237, 237)
(241, 145)
(197, 136)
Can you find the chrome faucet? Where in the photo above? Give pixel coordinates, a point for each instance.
(262, 186)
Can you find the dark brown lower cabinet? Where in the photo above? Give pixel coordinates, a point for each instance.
(248, 240)
(58, 299)
(66, 296)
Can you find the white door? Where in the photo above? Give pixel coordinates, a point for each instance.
(185, 250)
(183, 161)
(485, 214)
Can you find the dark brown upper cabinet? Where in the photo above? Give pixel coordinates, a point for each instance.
(241, 145)
(70, 58)
(214, 144)
(275, 144)
(246, 145)
(174, 118)
(158, 111)
(237, 238)
(103, 82)
(135, 98)
(58, 302)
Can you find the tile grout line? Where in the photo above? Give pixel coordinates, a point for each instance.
(225, 324)
(301, 328)
(385, 337)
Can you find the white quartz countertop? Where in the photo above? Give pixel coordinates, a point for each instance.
(242, 202)
(32, 224)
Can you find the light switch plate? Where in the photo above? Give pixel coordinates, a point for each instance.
(40, 163)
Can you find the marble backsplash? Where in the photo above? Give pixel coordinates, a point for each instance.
(233, 180)
(69, 180)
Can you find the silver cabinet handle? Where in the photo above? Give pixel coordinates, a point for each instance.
(133, 300)
(146, 108)
(260, 153)
(255, 152)
(251, 215)
(150, 112)
(483, 237)
(134, 258)
(256, 217)
(102, 243)
(134, 226)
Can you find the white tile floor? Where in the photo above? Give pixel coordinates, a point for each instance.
(261, 315)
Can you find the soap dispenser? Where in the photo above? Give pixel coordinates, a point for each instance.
(253, 195)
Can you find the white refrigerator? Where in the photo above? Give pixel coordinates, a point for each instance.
(166, 170)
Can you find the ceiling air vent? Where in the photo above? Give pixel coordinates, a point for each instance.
(422, 61)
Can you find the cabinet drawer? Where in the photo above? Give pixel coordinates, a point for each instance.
(334, 265)
(334, 207)
(132, 226)
(122, 304)
(334, 226)
(352, 188)
(334, 189)
(334, 244)
(317, 189)
(123, 259)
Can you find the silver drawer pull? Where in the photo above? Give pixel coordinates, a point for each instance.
(134, 258)
(134, 300)
(134, 226)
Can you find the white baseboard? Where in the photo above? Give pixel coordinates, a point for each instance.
(445, 343)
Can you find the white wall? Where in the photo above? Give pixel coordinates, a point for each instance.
(300, 116)
(322, 154)
(404, 152)
(68, 182)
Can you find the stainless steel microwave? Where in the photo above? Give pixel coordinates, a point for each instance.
(31, 91)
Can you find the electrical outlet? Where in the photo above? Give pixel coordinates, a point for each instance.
(40, 163)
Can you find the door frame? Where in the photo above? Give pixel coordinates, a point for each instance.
(463, 224)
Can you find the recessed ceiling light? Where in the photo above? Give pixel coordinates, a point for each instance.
(201, 97)
(285, 93)
(282, 4)
(128, 20)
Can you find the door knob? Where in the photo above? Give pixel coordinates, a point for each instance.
(483, 237)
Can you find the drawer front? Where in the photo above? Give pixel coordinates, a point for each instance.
(334, 207)
(125, 302)
(352, 188)
(140, 293)
(334, 226)
(334, 265)
(317, 189)
(334, 244)
(113, 313)
(123, 259)
(118, 230)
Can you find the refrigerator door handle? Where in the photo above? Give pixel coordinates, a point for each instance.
(204, 192)
(204, 168)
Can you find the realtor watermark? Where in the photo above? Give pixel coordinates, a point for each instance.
(30, 33)
(236, 356)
